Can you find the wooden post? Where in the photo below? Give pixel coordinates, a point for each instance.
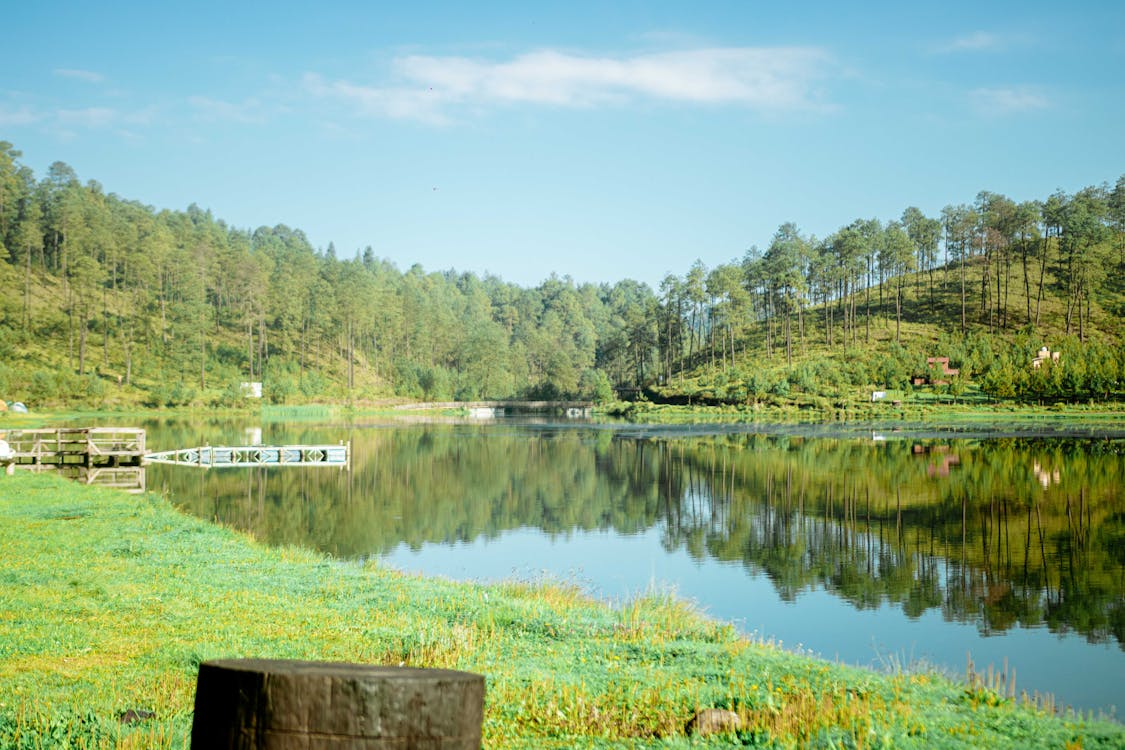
(267, 704)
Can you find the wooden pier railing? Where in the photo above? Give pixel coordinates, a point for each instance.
(89, 447)
(116, 456)
(208, 456)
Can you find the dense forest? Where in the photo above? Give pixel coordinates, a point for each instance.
(109, 301)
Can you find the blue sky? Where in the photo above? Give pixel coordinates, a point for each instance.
(597, 140)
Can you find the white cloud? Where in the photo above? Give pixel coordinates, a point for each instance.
(99, 117)
(82, 75)
(381, 102)
(68, 122)
(767, 79)
(983, 41)
(973, 42)
(211, 110)
(89, 117)
(21, 116)
(1007, 101)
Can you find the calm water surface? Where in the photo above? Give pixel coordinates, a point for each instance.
(874, 548)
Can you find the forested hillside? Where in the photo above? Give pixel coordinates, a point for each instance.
(104, 300)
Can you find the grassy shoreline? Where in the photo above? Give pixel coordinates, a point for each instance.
(109, 602)
(1102, 414)
(914, 410)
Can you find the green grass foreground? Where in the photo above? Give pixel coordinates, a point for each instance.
(109, 602)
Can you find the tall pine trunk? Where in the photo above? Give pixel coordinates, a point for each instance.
(82, 342)
(27, 292)
(964, 323)
(898, 312)
(1042, 274)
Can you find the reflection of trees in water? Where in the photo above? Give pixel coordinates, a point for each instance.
(438, 484)
(964, 527)
(985, 543)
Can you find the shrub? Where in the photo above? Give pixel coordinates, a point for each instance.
(436, 383)
(595, 385)
(779, 388)
(757, 385)
(177, 394)
(44, 386)
(93, 389)
(313, 384)
(803, 378)
(278, 388)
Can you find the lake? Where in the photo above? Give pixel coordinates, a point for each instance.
(881, 547)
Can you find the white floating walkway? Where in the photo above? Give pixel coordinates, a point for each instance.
(254, 455)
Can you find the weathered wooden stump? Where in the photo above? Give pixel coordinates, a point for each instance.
(265, 704)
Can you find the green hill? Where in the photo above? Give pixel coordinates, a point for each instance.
(831, 365)
(108, 302)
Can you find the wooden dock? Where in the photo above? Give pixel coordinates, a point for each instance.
(116, 456)
(254, 455)
(86, 447)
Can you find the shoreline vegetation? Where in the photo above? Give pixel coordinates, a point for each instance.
(869, 412)
(109, 602)
(766, 411)
(1102, 416)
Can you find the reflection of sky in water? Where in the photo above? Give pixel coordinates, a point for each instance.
(1077, 673)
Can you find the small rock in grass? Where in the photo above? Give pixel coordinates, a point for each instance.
(713, 721)
(133, 715)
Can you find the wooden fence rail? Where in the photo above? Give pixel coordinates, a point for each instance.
(79, 446)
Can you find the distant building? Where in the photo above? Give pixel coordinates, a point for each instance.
(939, 371)
(250, 390)
(1044, 355)
(484, 412)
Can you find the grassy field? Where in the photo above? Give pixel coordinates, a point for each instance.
(109, 602)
